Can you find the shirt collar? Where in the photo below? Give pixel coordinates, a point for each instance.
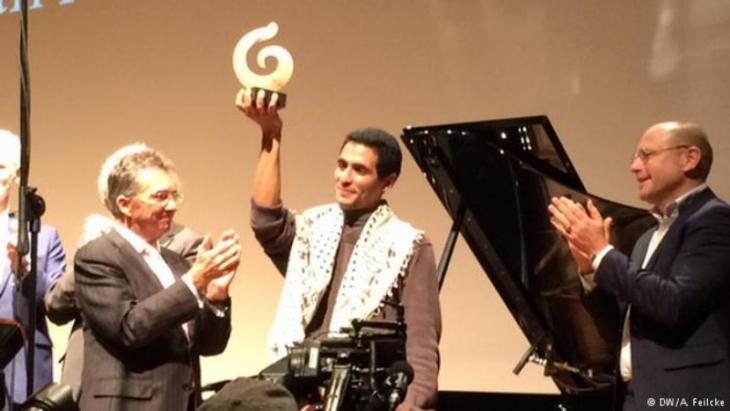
(360, 217)
(672, 209)
(137, 242)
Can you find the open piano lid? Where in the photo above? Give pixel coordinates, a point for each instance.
(497, 178)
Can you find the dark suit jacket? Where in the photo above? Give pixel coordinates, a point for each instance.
(136, 355)
(13, 305)
(680, 304)
(62, 307)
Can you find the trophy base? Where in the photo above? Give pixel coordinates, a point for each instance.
(280, 103)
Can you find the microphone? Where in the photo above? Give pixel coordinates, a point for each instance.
(400, 375)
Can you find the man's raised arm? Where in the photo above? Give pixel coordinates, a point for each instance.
(267, 175)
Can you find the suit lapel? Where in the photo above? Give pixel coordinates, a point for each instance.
(179, 266)
(641, 247)
(671, 239)
(135, 263)
(174, 261)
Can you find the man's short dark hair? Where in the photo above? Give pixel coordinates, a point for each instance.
(384, 144)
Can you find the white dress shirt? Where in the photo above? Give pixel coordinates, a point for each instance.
(156, 263)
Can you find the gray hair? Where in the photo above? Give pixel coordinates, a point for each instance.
(122, 179)
(102, 183)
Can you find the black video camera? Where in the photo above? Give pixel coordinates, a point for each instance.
(362, 371)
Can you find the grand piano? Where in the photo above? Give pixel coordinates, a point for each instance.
(495, 180)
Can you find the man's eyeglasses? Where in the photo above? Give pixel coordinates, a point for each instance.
(645, 155)
(162, 197)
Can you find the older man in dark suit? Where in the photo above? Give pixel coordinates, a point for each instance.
(674, 287)
(147, 313)
(60, 299)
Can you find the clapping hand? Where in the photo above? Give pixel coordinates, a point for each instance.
(216, 262)
(585, 230)
(217, 289)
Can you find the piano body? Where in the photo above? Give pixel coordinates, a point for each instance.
(495, 179)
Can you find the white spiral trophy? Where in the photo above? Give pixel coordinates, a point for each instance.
(271, 82)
